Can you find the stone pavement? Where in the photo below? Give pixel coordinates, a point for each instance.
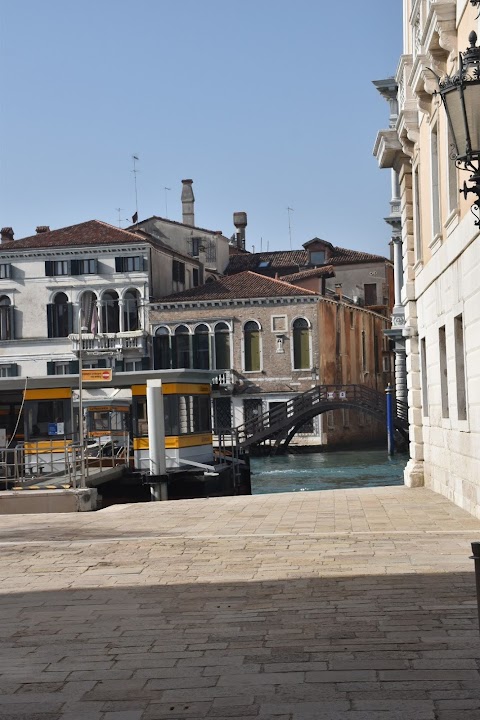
(355, 604)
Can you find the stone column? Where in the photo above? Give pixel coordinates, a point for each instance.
(414, 472)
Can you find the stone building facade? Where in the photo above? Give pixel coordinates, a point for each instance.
(441, 259)
(269, 341)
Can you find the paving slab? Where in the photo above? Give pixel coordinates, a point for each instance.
(339, 604)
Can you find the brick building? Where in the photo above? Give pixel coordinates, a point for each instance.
(270, 340)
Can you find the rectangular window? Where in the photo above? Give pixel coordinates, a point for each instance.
(386, 363)
(442, 346)
(132, 366)
(460, 368)
(195, 244)
(54, 268)
(317, 257)
(423, 365)
(370, 293)
(222, 414)
(62, 368)
(10, 370)
(352, 319)
(330, 420)
(178, 271)
(435, 174)
(346, 417)
(129, 263)
(364, 352)
(417, 226)
(84, 267)
(5, 271)
(196, 276)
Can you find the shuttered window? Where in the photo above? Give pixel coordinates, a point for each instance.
(251, 339)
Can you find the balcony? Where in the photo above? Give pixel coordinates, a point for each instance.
(224, 380)
(134, 342)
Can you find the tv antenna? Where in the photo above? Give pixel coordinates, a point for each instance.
(120, 219)
(166, 189)
(289, 210)
(135, 171)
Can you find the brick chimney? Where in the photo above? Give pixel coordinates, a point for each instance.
(188, 201)
(42, 229)
(7, 234)
(338, 291)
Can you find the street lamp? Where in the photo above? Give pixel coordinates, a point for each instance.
(460, 95)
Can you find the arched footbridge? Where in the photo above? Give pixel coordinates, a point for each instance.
(284, 421)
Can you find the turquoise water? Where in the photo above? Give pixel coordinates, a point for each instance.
(326, 471)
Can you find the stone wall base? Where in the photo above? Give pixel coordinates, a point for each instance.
(413, 475)
(17, 502)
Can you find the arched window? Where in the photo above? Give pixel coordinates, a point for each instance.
(110, 312)
(89, 312)
(131, 305)
(60, 316)
(301, 345)
(6, 319)
(161, 349)
(181, 347)
(201, 348)
(251, 346)
(222, 346)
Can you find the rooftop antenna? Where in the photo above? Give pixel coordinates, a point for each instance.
(119, 211)
(135, 171)
(166, 204)
(289, 210)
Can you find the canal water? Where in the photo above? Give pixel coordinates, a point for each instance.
(326, 471)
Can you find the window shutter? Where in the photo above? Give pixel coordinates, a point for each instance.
(95, 266)
(145, 362)
(69, 318)
(11, 319)
(50, 367)
(13, 370)
(118, 264)
(102, 363)
(181, 272)
(119, 365)
(74, 267)
(50, 316)
(49, 268)
(73, 367)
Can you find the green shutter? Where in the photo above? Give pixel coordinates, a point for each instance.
(50, 368)
(252, 351)
(73, 367)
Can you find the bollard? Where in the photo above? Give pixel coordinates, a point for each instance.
(390, 425)
(476, 558)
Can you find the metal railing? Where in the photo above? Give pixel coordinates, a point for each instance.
(277, 422)
(61, 462)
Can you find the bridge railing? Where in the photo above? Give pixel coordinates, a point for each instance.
(275, 422)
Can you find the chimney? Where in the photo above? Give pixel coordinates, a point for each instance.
(240, 222)
(41, 229)
(338, 291)
(188, 200)
(7, 234)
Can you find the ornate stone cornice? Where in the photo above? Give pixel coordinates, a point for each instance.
(440, 28)
(387, 147)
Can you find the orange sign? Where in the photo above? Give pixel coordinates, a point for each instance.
(97, 375)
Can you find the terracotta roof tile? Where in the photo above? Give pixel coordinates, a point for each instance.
(323, 271)
(241, 285)
(289, 259)
(92, 232)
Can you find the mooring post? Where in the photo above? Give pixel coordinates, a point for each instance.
(476, 558)
(390, 427)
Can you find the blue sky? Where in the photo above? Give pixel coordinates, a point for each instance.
(264, 103)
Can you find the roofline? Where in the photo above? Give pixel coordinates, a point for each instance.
(219, 233)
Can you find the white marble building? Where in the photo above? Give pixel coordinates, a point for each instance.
(441, 258)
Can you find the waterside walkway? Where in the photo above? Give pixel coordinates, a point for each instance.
(355, 604)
